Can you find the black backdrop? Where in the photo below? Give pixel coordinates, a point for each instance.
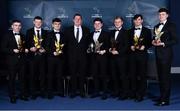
(173, 6)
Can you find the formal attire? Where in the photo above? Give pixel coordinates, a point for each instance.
(55, 62)
(36, 61)
(15, 61)
(138, 61)
(99, 62)
(164, 56)
(118, 63)
(76, 44)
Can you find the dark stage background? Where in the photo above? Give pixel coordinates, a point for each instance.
(25, 10)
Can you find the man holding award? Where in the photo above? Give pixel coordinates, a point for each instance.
(55, 58)
(139, 42)
(36, 41)
(100, 40)
(164, 39)
(77, 44)
(118, 50)
(13, 45)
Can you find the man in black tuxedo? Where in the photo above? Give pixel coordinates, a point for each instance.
(118, 50)
(36, 41)
(139, 42)
(55, 58)
(99, 58)
(165, 38)
(13, 45)
(77, 43)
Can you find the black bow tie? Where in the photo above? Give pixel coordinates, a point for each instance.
(137, 28)
(96, 31)
(57, 32)
(16, 34)
(117, 30)
(161, 23)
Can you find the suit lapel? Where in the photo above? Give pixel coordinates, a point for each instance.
(119, 35)
(164, 27)
(13, 39)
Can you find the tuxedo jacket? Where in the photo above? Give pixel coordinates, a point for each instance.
(169, 38)
(145, 36)
(30, 39)
(103, 38)
(76, 50)
(50, 43)
(121, 41)
(8, 44)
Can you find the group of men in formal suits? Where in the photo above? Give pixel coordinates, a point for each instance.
(41, 57)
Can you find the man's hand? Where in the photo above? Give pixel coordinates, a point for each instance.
(133, 48)
(158, 43)
(16, 51)
(26, 50)
(42, 50)
(33, 49)
(115, 52)
(102, 52)
(142, 47)
(56, 54)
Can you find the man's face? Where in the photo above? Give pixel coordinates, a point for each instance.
(163, 16)
(118, 23)
(37, 23)
(97, 25)
(138, 21)
(77, 20)
(56, 25)
(16, 26)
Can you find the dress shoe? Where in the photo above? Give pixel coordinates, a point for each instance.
(162, 103)
(122, 97)
(24, 98)
(139, 99)
(50, 96)
(94, 95)
(104, 97)
(61, 94)
(156, 99)
(33, 97)
(82, 95)
(13, 100)
(72, 96)
(114, 95)
(43, 95)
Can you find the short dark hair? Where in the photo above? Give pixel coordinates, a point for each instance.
(164, 10)
(15, 21)
(37, 18)
(77, 14)
(119, 17)
(137, 16)
(56, 20)
(98, 19)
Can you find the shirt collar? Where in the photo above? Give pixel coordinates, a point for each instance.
(164, 22)
(139, 27)
(37, 29)
(75, 27)
(56, 30)
(98, 30)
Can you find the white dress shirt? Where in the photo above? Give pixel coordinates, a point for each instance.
(17, 37)
(117, 32)
(96, 35)
(161, 26)
(138, 32)
(35, 30)
(57, 36)
(80, 32)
